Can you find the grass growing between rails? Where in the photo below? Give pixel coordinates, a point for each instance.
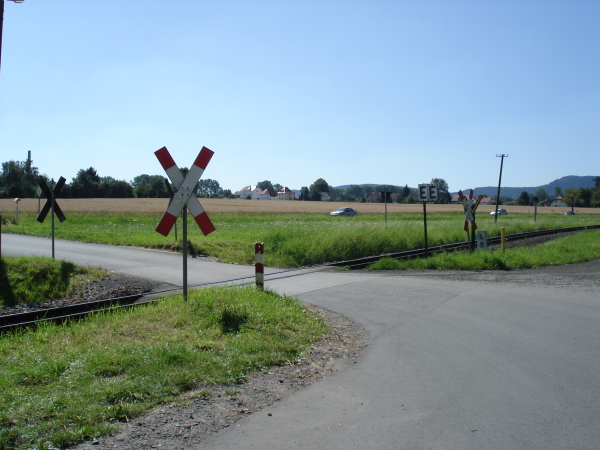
(292, 240)
(579, 247)
(61, 384)
(37, 279)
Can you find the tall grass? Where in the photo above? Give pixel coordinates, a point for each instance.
(580, 247)
(62, 384)
(290, 240)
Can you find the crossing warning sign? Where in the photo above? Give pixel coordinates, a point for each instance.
(184, 195)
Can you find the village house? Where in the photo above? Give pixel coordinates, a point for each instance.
(253, 192)
(558, 202)
(285, 194)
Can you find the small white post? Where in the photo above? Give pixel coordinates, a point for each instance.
(259, 267)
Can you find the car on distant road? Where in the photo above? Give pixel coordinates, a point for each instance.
(343, 212)
(570, 213)
(501, 212)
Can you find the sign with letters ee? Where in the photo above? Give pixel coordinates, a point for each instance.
(428, 192)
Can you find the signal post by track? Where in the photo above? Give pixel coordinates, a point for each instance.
(183, 199)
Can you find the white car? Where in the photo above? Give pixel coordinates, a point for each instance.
(343, 212)
(501, 212)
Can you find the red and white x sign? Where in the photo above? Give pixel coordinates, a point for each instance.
(185, 191)
(470, 206)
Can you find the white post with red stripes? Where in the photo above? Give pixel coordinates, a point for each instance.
(184, 199)
(259, 266)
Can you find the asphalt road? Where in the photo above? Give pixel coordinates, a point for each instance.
(453, 363)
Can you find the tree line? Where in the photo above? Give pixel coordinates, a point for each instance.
(20, 179)
(581, 197)
(320, 190)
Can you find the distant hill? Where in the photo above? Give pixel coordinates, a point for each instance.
(571, 181)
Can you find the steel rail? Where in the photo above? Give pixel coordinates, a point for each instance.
(30, 319)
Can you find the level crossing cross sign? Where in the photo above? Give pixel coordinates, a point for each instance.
(51, 196)
(184, 195)
(470, 207)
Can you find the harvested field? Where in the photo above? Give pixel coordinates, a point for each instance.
(222, 206)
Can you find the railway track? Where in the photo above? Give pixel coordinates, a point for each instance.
(30, 319)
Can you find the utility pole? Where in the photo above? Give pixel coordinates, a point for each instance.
(499, 181)
(2, 21)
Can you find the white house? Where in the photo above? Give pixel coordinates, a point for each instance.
(285, 194)
(558, 202)
(253, 191)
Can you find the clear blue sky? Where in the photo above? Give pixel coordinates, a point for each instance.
(371, 91)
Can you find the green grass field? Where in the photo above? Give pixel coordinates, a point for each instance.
(61, 384)
(579, 247)
(291, 240)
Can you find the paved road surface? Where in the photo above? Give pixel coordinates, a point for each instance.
(452, 364)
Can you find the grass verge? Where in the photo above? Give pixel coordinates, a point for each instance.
(37, 279)
(291, 240)
(61, 384)
(576, 248)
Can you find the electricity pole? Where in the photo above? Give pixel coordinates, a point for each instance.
(2, 21)
(499, 181)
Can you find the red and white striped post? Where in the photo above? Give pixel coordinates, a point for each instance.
(259, 267)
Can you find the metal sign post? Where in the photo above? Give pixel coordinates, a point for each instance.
(183, 199)
(386, 196)
(51, 204)
(427, 193)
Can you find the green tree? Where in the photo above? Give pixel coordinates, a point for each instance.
(595, 202)
(111, 188)
(410, 199)
(209, 187)
(318, 187)
(18, 179)
(541, 194)
(86, 184)
(150, 186)
(524, 199)
(443, 190)
(585, 194)
(265, 185)
(571, 197)
(354, 192)
(304, 193)
(404, 193)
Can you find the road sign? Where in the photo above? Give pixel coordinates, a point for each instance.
(428, 192)
(51, 200)
(184, 195)
(470, 205)
(482, 240)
